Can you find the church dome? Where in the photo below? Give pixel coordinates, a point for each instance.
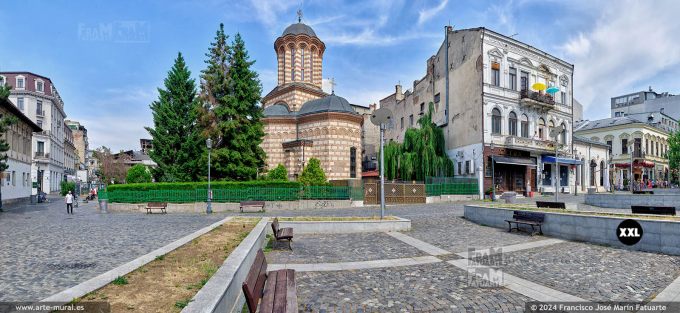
(298, 29)
(278, 109)
(331, 103)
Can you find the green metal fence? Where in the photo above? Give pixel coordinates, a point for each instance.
(457, 188)
(236, 195)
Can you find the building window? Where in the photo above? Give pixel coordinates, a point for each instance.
(40, 123)
(564, 97)
(609, 143)
(39, 108)
(402, 122)
(563, 135)
(292, 64)
(496, 121)
(422, 108)
(410, 120)
(496, 74)
(14, 178)
(40, 86)
(547, 174)
(352, 162)
(512, 124)
(20, 103)
(2, 80)
(460, 168)
(657, 149)
(624, 146)
(646, 145)
(436, 98)
(302, 64)
(525, 126)
(524, 80)
(513, 78)
(468, 169)
(20, 82)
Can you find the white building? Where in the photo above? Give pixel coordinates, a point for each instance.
(37, 98)
(481, 85)
(593, 171)
(16, 179)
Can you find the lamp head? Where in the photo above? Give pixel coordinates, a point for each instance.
(208, 143)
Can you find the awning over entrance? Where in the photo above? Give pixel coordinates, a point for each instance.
(514, 161)
(551, 159)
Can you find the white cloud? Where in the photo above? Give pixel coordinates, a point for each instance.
(625, 50)
(426, 14)
(369, 37)
(268, 10)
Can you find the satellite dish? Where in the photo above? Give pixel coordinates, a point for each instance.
(381, 116)
(556, 131)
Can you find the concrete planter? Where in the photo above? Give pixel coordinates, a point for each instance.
(659, 236)
(222, 293)
(625, 201)
(344, 227)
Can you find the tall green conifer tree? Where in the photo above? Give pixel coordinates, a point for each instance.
(177, 142)
(232, 116)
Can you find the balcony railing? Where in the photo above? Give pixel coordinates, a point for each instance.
(536, 98)
(42, 155)
(522, 143)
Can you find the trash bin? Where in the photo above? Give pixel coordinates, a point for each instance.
(103, 205)
(34, 199)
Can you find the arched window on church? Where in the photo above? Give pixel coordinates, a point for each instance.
(311, 65)
(353, 162)
(292, 64)
(302, 64)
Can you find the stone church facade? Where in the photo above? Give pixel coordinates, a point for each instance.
(301, 121)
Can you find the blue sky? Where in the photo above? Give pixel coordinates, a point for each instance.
(107, 82)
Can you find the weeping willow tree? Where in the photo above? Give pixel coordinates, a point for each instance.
(422, 154)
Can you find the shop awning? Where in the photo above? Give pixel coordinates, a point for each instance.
(514, 161)
(551, 159)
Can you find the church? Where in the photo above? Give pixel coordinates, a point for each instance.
(301, 121)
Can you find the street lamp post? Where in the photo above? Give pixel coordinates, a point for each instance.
(208, 210)
(493, 174)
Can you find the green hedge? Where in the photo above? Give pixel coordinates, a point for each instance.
(204, 185)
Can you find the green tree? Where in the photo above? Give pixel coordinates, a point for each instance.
(5, 122)
(673, 155)
(138, 174)
(422, 154)
(278, 173)
(312, 174)
(177, 141)
(232, 90)
(67, 186)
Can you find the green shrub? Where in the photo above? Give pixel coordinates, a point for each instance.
(67, 186)
(138, 174)
(204, 185)
(312, 174)
(278, 173)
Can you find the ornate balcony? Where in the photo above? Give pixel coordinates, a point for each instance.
(536, 100)
(530, 144)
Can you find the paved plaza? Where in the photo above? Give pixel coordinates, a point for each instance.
(43, 250)
(427, 269)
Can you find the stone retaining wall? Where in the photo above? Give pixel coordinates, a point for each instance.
(344, 227)
(450, 198)
(658, 235)
(270, 206)
(624, 201)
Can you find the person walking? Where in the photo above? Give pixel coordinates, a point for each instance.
(69, 203)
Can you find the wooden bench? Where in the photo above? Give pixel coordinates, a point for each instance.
(551, 205)
(252, 204)
(282, 233)
(650, 209)
(532, 219)
(156, 206)
(275, 291)
(643, 192)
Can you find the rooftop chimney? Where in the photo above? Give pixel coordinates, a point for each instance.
(398, 94)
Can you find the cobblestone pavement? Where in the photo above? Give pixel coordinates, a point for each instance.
(343, 248)
(43, 250)
(437, 287)
(593, 272)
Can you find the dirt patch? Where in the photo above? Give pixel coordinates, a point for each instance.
(168, 283)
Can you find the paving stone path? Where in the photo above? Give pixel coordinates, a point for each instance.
(43, 250)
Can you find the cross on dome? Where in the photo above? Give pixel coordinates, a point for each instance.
(299, 14)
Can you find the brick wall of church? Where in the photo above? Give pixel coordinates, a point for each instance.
(275, 133)
(294, 99)
(333, 139)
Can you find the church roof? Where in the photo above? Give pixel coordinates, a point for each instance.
(299, 28)
(278, 109)
(331, 103)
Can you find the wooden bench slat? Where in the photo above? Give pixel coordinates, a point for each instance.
(280, 294)
(284, 233)
(267, 304)
(291, 289)
(254, 282)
